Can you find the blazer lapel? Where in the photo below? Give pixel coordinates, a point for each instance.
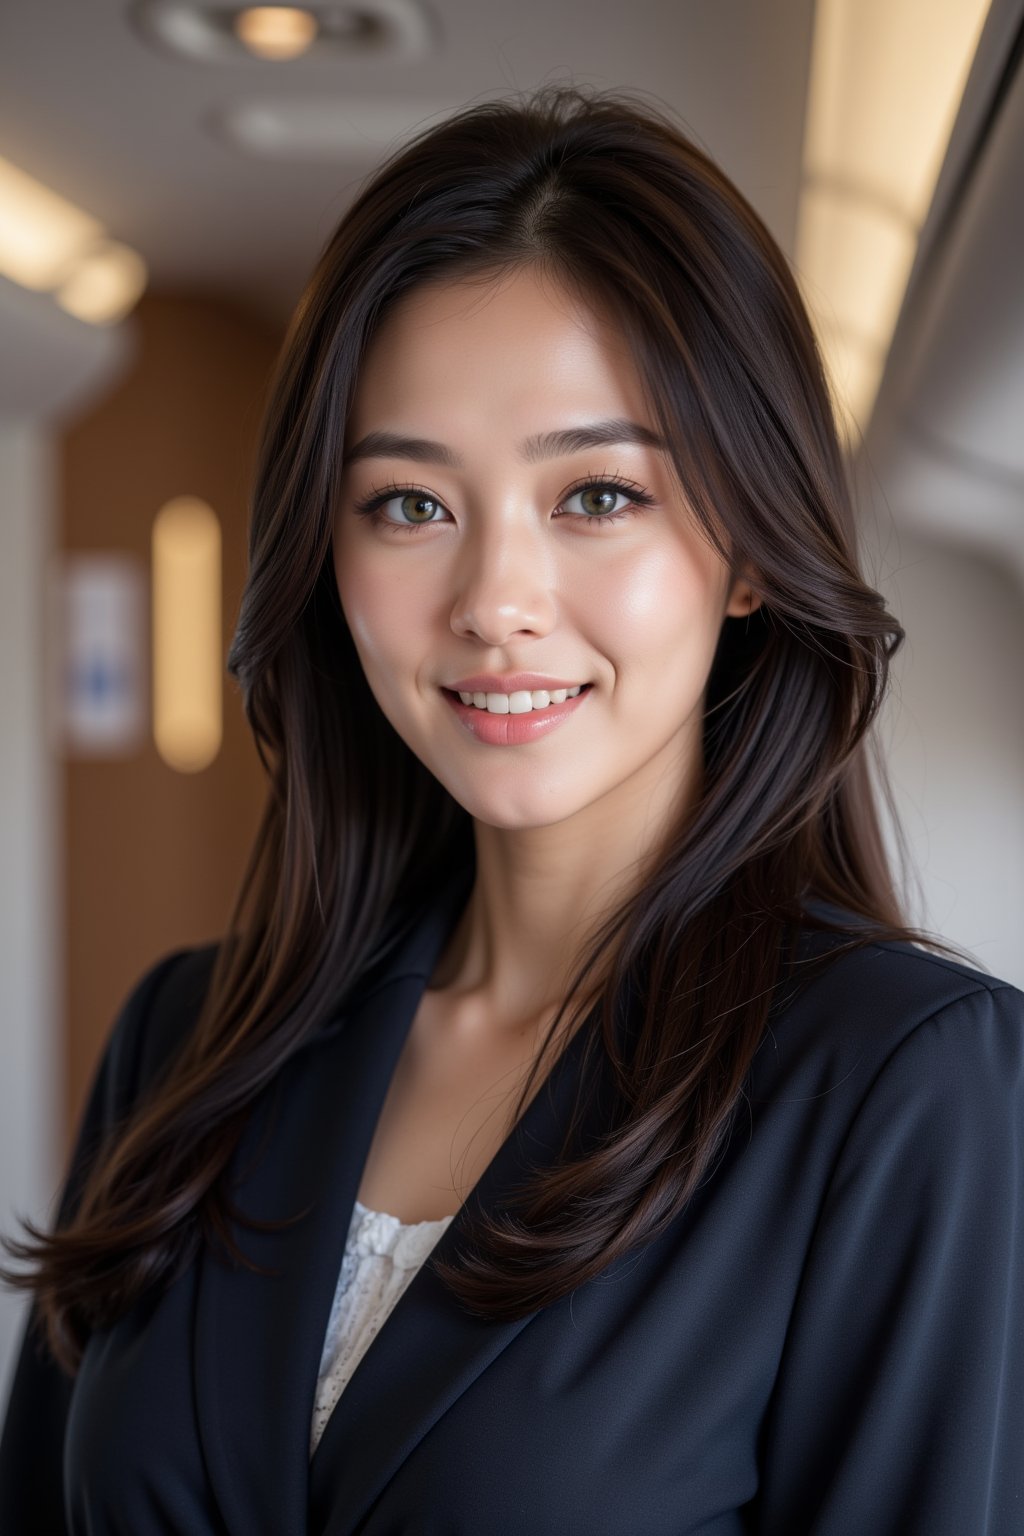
(258, 1338)
(429, 1350)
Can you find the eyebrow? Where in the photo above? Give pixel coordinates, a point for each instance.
(543, 445)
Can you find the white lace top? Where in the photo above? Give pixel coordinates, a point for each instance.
(381, 1256)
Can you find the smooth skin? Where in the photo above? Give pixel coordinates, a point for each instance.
(512, 571)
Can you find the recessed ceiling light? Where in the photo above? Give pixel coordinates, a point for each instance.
(276, 31)
(391, 29)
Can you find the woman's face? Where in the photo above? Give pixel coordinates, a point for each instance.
(494, 552)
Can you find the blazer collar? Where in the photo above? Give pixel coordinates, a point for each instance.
(258, 1338)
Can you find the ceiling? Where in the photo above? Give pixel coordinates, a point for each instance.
(134, 135)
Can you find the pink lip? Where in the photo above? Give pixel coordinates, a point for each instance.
(512, 682)
(514, 730)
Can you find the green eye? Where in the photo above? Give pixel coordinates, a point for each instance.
(418, 504)
(602, 500)
(418, 507)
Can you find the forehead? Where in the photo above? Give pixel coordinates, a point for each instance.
(518, 348)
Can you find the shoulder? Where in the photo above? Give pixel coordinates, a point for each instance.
(154, 1019)
(152, 1022)
(889, 986)
(846, 1018)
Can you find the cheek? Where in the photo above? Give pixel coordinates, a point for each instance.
(660, 610)
(377, 608)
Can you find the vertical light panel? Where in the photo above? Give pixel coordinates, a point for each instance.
(187, 662)
(887, 77)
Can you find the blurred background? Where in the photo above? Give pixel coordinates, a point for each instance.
(168, 173)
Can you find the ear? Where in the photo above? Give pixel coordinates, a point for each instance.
(742, 597)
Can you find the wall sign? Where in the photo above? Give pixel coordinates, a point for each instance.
(103, 654)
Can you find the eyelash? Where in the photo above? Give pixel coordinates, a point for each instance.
(372, 505)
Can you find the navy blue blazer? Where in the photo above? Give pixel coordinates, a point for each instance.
(829, 1340)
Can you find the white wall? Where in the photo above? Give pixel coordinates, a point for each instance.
(50, 366)
(953, 729)
(30, 1059)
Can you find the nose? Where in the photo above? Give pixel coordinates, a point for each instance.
(504, 585)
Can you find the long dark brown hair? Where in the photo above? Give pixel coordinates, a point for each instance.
(605, 192)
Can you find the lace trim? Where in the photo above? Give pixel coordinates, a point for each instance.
(406, 1244)
(382, 1254)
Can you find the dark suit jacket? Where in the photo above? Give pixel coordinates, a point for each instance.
(829, 1340)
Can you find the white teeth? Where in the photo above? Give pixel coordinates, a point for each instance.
(520, 703)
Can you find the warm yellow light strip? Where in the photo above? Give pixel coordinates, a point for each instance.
(47, 243)
(41, 234)
(187, 661)
(105, 285)
(887, 77)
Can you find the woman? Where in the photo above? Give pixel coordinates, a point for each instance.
(569, 1134)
